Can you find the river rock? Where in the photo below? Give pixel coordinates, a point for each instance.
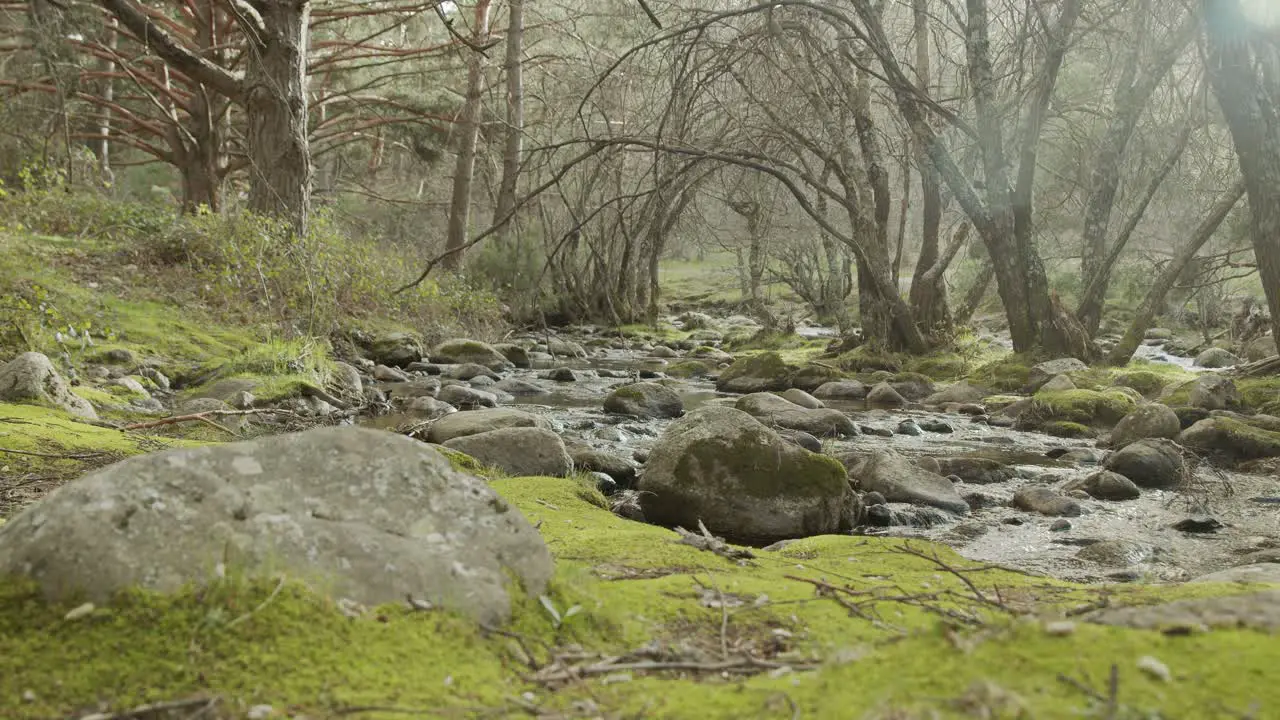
(31, 378)
(813, 376)
(803, 439)
(566, 349)
(803, 399)
(744, 482)
(587, 458)
(1045, 371)
(1151, 463)
(386, 373)
(1152, 420)
(515, 354)
(465, 398)
(473, 422)
(1231, 438)
(519, 387)
(912, 386)
(1216, 358)
(517, 451)
(644, 400)
(976, 470)
(759, 373)
(884, 395)
(1259, 611)
(909, 427)
(898, 480)
(662, 351)
(1046, 501)
(460, 351)
(1116, 553)
(1106, 485)
(470, 371)
(1215, 392)
(396, 349)
(1058, 382)
(345, 382)
(841, 390)
(1260, 348)
(961, 393)
(775, 411)
(428, 408)
(1268, 573)
(362, 514)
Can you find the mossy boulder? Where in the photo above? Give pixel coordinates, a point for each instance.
(689, 369)
(947, 366)
(723, 467)
(395, 349)
(960, 393)
(1069, 430)
(31, 378)
(341, 508)
(1086, 407)
(469, 351)
(1231, 439)
(517, 451)
(757, 373)
(644, 400)
(1007, 374)
(912, 386)
(517, 355)
(813, 376)
(866, 358)
(1152, 420)
(1216, 358)
(899, 480)
(1041, 373)
(1144, 381)
(471, 422)
(1151, 463)
(776, 411)
(1258, 393)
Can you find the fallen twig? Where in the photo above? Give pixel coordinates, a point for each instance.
(204, 417)
(746, 664)
(55, 456)
(707, 541)
(197, 706)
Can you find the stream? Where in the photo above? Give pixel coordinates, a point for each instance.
(1110, 541)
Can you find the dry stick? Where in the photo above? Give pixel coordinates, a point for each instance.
(746, 664)
(959, 574)
(201, 705)
(55, 456)
(203, 416)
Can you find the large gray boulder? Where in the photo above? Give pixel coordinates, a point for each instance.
(885, 395)
(1155, 463)
(1044, 372)
(31, 378)
(644, 400)
(841, 390)
(775, 411)
(1152, 420)
(1231, 438)
(469, 351)
(721, 466)
(473, 422)
(1216, 358)
(517, 451)
(361, 514)
(960, 393)
(1215, 392)
(395, 349)
(464, 397)
(900, 480)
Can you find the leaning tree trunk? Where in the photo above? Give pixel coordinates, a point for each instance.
(1154, 300)
(275, 98)
(928, 293)
(1243, 68)
(469, 135)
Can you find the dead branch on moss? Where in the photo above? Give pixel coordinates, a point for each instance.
(189, 709)
(206, 417)
(1111, 700)
(863, 603)
(55, 456)
(960, 574)
(557, 674)
(710, 543)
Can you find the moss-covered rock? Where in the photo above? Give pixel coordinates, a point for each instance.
(1086, 407)
(945, 366)
(1231, 439)
(1007, 374)
(757, 373)
(1144, 381)
(1260, 392)
(644, 400)
(720, 466)
(813, 376)
(1064, 429)
(865, 358)
(469, 351)
(689, 369)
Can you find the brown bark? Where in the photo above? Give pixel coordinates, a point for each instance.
(469, 135)
(514, 68)
(928, 294)
(1243, 66)
(1154, 299)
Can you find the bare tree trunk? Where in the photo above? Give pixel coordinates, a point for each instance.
(1244, 70)
(469, 136)
(973, 298)
(275, 98)
(1131, 99)
(103, 145)
(1154, 300)
(928, 294)
(506, 201)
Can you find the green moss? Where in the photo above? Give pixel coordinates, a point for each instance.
(1259, 392)
(689, 369)
(1007, 374)
(1144, 381)
(753, 460)
(942, 366)
(635, 586)
(1094, 378)
(462, 461)
(1178, 395)
(1087, 407)
(814, 375)
(1245, 440)
(865, 358)
(1063, 429)
(763, 365)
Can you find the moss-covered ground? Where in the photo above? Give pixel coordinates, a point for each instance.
(826, 627)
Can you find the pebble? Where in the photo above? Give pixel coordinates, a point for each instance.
(1060, 628)
(1199, 525)
(1155, 668)
(909, 427)
(1060, 525)
(937, 426)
